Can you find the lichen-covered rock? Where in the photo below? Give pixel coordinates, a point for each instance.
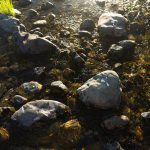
(112, 24)
(33, 44)
(32, 112)
(31, 87)
(102, 91)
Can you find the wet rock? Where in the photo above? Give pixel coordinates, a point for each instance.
(31, 87)
(102, 91)
(47, 5)
(115, 122)
(121, 51)
(112, 25)
(57, 87)
(39, 70)
(9, 24)
(32, 112)
(32, 13)
(76, 60)
(84, 34)
(18, 101)
(24, 3)
(87, 25)
(33, 44)
(4, 135)
(40, 23)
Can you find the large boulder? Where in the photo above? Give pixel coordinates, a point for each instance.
(45, 110)
(33, 44)
(112, 24)
(103, 91)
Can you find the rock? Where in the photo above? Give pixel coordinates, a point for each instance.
(115, 122)
(87, 25)
(39, 70)
(6, 112)
(102, 91)
(58, 88)
(76, 60)
(44, 110)
(112, 24)
(84, 34)
(9, 24)
(38, 33)
(33, 44)
(121, 51)
(17, 13)
(40, 23)
(32, 13)
(69, 134)
(146, 115)
(4, 135)
(101, 3)
(47, 5)
(31, 87)
(18, 100)
(34, 30)
(24, 3)
(64, 33)
(136, 28)
(112, 146)
(51, 17)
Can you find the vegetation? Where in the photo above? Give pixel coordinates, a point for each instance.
(6, 7)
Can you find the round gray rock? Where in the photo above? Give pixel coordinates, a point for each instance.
(34, 111)
(112, 24)
(102, 91)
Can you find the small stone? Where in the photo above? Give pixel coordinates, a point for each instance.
(32, 87)
(59, 88)
(39, 70)
(39, 33)
(40, 23)
(84, 34)
(115, 122)
(32, 13)
(18, 100)
(146, 115)
(4, 135)
(47, 5)
(87, 25)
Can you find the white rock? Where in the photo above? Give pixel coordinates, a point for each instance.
(102, 91)
(112, 24)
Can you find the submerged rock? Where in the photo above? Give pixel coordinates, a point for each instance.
(115, 122)
(33, 44)
(102, 91)
(112, 24)
(45, 110)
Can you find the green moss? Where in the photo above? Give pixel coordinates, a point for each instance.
(6, 7)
